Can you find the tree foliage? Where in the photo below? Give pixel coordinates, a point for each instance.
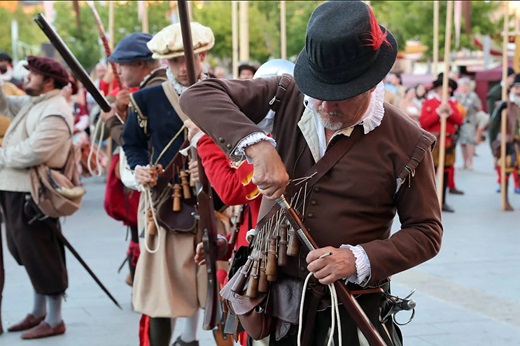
(413, 20)
(407, 20)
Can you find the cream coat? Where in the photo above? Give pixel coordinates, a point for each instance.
(36, 136)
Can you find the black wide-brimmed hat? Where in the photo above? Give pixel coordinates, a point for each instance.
(338, 61)
(438, 82)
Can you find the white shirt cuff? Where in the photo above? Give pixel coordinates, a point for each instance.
(139, 186)
(195, 139)
(251, 139)
(363, 273)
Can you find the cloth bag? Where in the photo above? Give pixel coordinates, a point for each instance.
(58, 192)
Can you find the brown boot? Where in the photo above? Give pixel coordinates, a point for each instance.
(27, 323)
(44, 330)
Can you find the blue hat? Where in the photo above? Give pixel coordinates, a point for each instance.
(132, 48)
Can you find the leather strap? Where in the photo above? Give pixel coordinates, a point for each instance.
(173, 97)
(338, 149)
(283, 85)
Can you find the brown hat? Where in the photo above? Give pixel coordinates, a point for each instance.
(49, 68)
(167, 43)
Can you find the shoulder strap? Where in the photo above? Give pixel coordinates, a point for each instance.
(283, 85)
(339, 149)
(172, 96)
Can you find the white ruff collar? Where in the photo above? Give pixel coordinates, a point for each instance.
(375, 111)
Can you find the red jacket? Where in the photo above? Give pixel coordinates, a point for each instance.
(232, 184)
(430, 119)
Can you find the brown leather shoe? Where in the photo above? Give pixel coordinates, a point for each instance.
(44, 330)
(455, 191)
(27, 323)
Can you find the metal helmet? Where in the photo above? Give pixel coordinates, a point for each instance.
(275, 67)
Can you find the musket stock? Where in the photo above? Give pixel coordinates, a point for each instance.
(344, 296)
(72, 62)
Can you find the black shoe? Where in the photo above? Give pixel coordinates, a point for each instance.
(447, 208)
(456, 191)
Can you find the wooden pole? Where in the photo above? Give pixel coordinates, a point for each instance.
(111, 25)
(504, 112)
(283, 31)
(445, 98)
(145, 17)
(111, 44)
(435, 39)
(244, 31)
(234, 29)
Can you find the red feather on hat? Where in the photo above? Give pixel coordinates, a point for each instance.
(377, 37)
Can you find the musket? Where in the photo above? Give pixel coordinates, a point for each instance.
(204, 196)
(72, 62)
(344, 296)
(104, 40)
(69, 246)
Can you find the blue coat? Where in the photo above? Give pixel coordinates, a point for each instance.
(161, 126)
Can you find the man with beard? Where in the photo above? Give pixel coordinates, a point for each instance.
(39, 134)
(381, 164)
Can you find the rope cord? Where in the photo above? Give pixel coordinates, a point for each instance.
(334, 310)
(149, 201)
(92, 143)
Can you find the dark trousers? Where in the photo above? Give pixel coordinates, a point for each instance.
(35, 246)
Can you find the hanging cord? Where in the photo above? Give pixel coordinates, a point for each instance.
(99, 141)
(148, 196)
(334, 311)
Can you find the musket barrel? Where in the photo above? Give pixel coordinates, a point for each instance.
(72, 62)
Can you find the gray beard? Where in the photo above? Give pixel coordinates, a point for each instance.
(330, 125)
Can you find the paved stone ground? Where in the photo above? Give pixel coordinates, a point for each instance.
(467, 295)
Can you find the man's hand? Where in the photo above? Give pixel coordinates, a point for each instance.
(143, 176)
(192, 129)
(107, 115)
(444, 109)
(122, 101)
(220, 242)
(330, 264)
(269, 171)
(193, 168)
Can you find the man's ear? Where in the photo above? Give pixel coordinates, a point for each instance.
(48, 83)
(202, 56)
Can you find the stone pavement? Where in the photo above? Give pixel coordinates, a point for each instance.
(467, 295)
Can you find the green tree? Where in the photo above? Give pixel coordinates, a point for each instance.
(413, 20)
(27, 30)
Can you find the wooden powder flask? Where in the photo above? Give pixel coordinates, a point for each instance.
(263, 284)
(176, 197)
(186, 190)
(154, 171)
(150, 224)
(293, 247)
(252, 286)
(271, 267)
(238, 286)
(282, 245)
